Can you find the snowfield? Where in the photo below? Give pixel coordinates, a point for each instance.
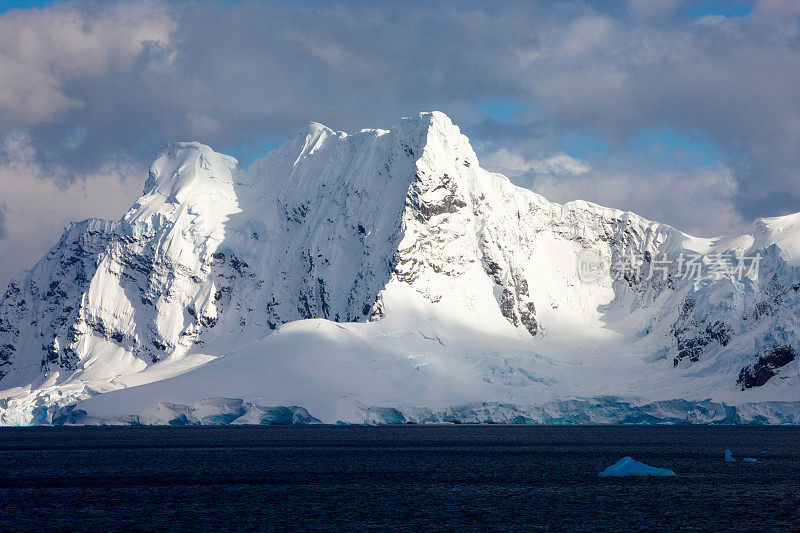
(385, 277)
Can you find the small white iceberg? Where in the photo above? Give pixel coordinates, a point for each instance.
(729, 456)
(748, 460)
(628, 467)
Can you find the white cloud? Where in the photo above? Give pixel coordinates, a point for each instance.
(37, 209)
(698, 201)
(41, 51)
(514, 164)
(586, 35)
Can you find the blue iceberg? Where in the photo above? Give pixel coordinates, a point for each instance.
(627, 466)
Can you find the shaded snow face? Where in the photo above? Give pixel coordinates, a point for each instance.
(390, 226)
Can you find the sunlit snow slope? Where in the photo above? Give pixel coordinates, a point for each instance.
(384, 277)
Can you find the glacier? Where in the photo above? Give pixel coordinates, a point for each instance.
(383, 276)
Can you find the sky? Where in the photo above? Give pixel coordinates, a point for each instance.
(684, 112)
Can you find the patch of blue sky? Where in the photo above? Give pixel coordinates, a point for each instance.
(8, 5)
(502, 110)
(584, 147)
(248, 153)
(725, 8)
(676, 149)
(668, 147)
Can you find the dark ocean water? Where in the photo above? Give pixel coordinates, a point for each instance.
(411, 477)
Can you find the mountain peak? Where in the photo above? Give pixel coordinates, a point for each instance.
(427, 122)
(313, 128)
(428, 119)
(181, 167)
(434, 137)
(314, 132)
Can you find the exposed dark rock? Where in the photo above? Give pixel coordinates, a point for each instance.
(238, 265)
(160, 345)
(508, 305)
(425, 211)
(719, 332)
(207, 321)
(527, 316)
(6, 351)
(691, 340)
(323, 297)
(377, 310)
(766, 366)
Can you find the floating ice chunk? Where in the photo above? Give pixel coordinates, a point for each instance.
(729, 456)
(748, 460)
(629, 467)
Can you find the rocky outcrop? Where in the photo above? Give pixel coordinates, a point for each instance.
(768, 365)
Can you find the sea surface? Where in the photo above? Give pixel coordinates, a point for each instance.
(417, 478)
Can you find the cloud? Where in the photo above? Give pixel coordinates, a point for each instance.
(675, 198)
(586, 35)
(513, 164)
(662, 177)
(44, 52)
(3, 221)
(730, 78)
(35, 210)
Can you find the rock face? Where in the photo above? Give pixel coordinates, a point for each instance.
(41, 310)
(766, 366)
(378, 224)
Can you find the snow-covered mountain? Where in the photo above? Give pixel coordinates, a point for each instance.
(384, 276)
